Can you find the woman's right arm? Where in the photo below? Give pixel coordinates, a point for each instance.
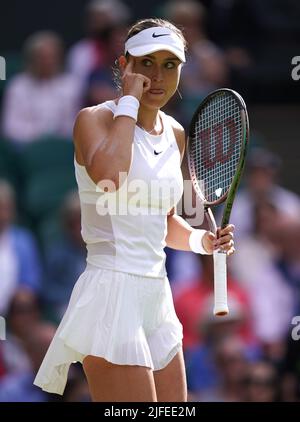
(104, 144)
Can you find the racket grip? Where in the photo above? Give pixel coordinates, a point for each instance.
(220, 283)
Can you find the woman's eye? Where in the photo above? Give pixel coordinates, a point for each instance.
(170, 65)
(147, 62)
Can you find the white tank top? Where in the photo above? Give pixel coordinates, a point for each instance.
(126, 230)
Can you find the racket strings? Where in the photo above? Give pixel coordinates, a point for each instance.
(216, 146)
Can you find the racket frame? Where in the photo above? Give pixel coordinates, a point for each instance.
(229, 195)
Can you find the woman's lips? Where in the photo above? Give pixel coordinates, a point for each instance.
(156, 91)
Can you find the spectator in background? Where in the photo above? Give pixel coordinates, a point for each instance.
(189, 304)
(18, 360)
(290, 377)
(262, 383)
(202, 371)
(43, 99)
(260, 38)
(255, 263)
(261, 181)
(100, 85)
(206, 68)
(288, 262)
(264, 260)
(19, 259)
(23, 314)
(65, 260)
(102, 18)
(238, 26)
(19, 387)
(231, 363)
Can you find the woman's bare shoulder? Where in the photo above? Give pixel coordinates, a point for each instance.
(91, 124)
(95, 114)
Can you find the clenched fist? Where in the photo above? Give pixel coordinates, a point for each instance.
(134, 84)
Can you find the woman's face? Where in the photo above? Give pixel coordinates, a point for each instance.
(163, 69)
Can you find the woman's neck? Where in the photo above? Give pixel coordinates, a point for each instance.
(148, 119)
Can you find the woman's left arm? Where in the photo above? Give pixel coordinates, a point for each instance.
(179, 231)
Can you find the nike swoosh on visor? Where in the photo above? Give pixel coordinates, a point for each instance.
(158, 35)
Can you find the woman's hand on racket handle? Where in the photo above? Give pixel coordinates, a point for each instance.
(224, 241)
(134, 84)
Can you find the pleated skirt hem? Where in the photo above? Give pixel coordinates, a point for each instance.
(123, 318)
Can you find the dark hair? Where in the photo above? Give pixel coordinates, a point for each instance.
(140, 26)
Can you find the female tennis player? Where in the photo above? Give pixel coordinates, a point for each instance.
(120, 322)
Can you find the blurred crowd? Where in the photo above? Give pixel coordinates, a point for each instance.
(248, 355)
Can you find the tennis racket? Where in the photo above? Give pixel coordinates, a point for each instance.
(216, 151)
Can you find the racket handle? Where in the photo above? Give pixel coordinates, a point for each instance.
(220, 283)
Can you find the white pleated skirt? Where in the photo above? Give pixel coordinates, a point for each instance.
(124, 318)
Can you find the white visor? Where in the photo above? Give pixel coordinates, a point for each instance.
(155, 39)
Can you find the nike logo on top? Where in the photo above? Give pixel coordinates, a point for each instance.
(157, 153)
(158, 35)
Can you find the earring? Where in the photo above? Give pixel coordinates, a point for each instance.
(180, 96)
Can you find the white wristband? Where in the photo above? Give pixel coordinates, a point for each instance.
(127, 106)
(195, 241)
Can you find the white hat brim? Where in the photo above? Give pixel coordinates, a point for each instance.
(148, 49)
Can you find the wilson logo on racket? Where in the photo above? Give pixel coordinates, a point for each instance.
(214, 149)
